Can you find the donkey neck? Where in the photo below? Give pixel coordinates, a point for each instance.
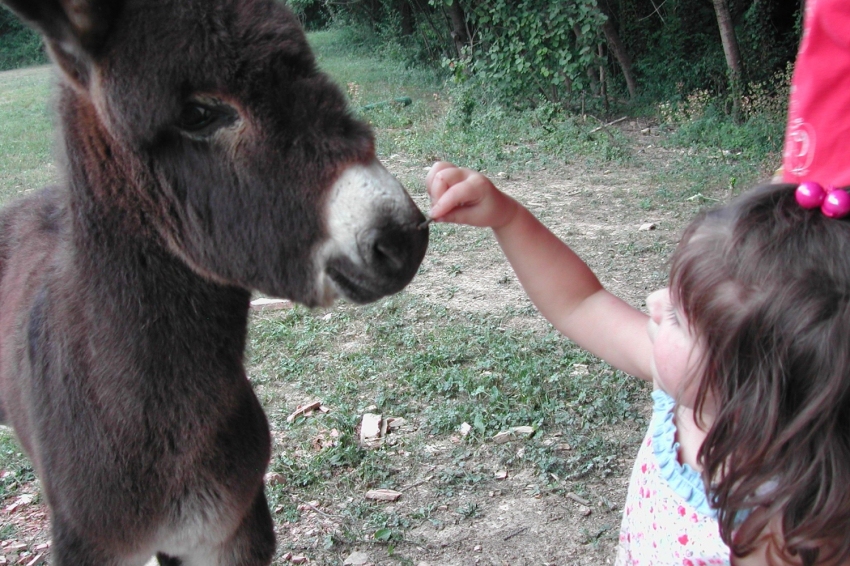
(109, 190)
(119, 255)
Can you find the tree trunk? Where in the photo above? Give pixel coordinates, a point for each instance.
(459, 33)
(733, 55)
(727, 36)
(407, 21)
(619, 51)
(603, 79)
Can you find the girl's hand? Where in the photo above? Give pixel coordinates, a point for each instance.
(464, 196)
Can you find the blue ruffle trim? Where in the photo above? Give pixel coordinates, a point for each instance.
(683, 479)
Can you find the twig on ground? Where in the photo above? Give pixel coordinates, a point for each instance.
(617, 121)
(516, 532)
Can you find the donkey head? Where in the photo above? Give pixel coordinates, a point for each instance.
(206, 124)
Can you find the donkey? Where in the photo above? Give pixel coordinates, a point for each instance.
(204, 157)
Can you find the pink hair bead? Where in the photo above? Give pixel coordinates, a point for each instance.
(836, 204)
(810, 195)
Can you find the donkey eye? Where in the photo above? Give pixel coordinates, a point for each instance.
(195, 117)
(203, 119)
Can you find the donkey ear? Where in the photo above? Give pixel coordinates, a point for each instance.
(74, 30)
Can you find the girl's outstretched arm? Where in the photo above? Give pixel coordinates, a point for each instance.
(558, 282)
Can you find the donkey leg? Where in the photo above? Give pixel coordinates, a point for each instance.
(69, 548)
(252, 544)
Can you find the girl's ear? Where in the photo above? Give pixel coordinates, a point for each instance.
(73, 30)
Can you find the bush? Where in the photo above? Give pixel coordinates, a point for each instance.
(700, 120)
(313, 14)
(19, 45)
(539, 51)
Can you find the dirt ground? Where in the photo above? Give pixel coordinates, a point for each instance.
(603, 214)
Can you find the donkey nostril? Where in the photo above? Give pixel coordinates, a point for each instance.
(389, 251)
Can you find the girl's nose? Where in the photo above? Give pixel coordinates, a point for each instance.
(655, 305)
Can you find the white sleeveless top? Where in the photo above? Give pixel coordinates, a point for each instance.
(667, 519)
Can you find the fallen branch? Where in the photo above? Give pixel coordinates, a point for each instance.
(617, 121)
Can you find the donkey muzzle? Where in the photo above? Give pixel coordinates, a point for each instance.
(377, 239)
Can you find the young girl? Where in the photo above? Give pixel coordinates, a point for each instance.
(747, 457)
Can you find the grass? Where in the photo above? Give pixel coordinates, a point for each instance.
(25, 131)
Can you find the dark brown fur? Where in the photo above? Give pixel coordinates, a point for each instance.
(124, 292)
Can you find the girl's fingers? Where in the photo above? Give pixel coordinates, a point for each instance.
(438, 180)
(436, 168)
(443, 178)
(458, 196)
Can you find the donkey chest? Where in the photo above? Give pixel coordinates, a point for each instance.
(138, 398)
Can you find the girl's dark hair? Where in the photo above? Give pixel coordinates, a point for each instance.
(766, 285)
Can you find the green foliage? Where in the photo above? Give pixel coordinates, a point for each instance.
(15, 466)
(702, 121)
(682, 52)
(19, 45)
(313, 14)
(532, 52)
(536, 50)
(478, 131)
(677, 50)
(457, 368)
(765, 47)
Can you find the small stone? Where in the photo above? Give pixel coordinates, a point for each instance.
(502, 437)
(646, 227)
(370, 430)
(264, 303)
(383, 494)
(356, 558)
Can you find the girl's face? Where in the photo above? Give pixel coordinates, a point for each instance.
(675, 351)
